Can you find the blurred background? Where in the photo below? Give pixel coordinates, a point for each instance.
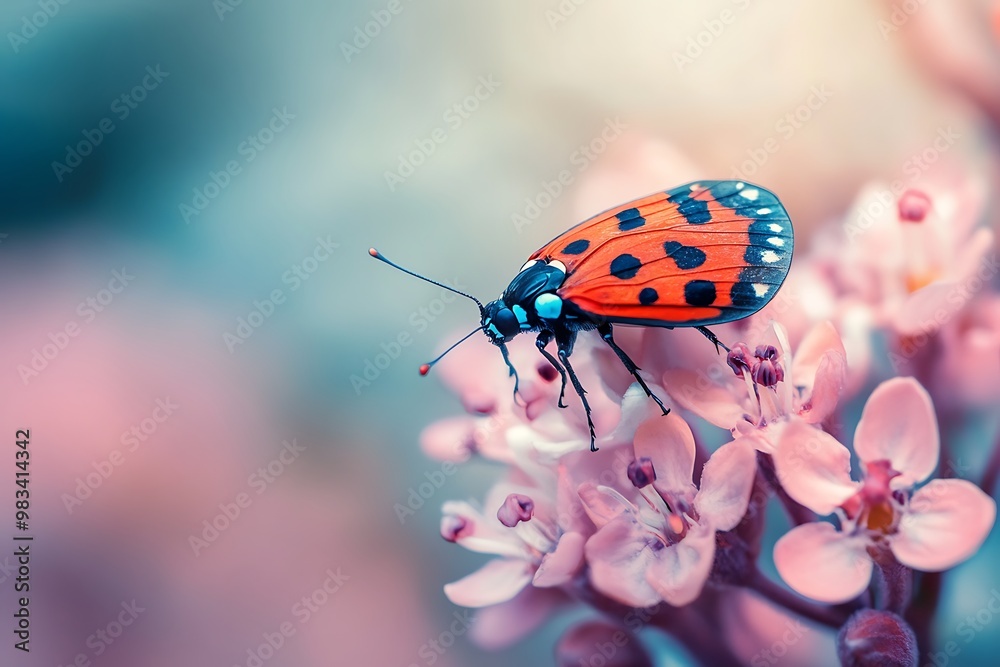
(220, 384)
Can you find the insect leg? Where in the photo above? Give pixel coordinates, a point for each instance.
(543, 339)
(711, 336)
(605, 331)
(565, 343)
(513, 371)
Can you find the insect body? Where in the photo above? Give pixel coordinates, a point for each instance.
(700, 254)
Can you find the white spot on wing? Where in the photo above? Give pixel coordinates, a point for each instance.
(760, 290)
(775, 241)
(750, 193)
(763, 211)
(769, 256)
(774, 227)
(739, 186)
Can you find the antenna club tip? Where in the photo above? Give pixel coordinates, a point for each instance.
(424, 369)
(373, 252)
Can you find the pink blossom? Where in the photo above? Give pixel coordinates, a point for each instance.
(739, 401)
(501, 429)
(931, 528)
(657, 543)
(538, 537)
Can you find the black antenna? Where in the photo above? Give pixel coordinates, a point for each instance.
(379, 256)
(427, 367)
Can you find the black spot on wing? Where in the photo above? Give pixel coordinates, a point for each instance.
(699, 293)
(630, 219)
(576, 247)
(695, 211)
(744, 296)
(648, 295)
(625, 267)
(686, 257)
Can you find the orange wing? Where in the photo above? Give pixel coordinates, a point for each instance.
(702, 253)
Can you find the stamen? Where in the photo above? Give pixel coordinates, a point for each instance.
(641, 473)
(515, 509)
(738, 359)
(454, 527)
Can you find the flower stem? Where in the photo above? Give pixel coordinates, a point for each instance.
(829, 616)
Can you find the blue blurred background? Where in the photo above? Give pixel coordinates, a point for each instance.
(232, 162)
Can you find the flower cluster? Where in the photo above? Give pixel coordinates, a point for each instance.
(678, 519)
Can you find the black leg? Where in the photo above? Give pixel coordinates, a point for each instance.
(565, 344)
(513, 371)
(711, 336)
(543, 339)
(605, 331)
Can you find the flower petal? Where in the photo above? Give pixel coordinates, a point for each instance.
(679, 572)
(558, 567)
(945, 523)
(831, 375)
(898, 425)
(497, 581)
(509, 622)
(822, 563)
(813, 467)
(712, 402)
(668, 442)
(602, 504)
(451, 439)
(619, 555)
(726, 483)
(820, 340)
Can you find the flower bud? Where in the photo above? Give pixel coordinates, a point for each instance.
(913, 206)
(600, 643)
(768, 373)
(641, 473)
(515, 509)
(873, 638)
(453, 527)
(766, 352)
(738, 359)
